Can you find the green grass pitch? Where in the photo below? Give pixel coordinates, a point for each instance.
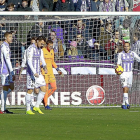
(71, 124)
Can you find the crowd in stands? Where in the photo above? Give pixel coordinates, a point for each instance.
(67, 5)
(94, 38)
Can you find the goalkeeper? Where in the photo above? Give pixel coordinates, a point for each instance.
(49, 77)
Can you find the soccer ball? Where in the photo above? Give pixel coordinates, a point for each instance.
(119, 70)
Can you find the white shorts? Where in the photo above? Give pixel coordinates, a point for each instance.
(38, 82)
(126, 79)
(6, 79)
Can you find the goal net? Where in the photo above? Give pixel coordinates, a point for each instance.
(85, 48)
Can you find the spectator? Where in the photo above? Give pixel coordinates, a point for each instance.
(90, 46)
(3, 5)
(89, 4)
(73, 52)
(121, 5)
(15, 50)
(136, 44)
(39, 29)
(95, 28)
(34, 5)
(95, 5)
(133, 21)
(48, 4)
(125, 30)
(64, 5)
(137, 26)
(24, 6)
(51, 5)
(96, 52)
(75, 4)
(107, 6)
(80, 28)
(105, 35)
(130, 2)
(23, 31)
(54, 4)
(112, 43)
(10, 7)
(57, 45)
(82, 5)
(17, 3)
(58, 30)
(81, 44)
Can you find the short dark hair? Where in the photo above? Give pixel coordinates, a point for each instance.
(7, 33)
(41, 38)
(33, 38)
(116, 30)
(53, 32)
(96, 42)
(127, 43)
(25, 0)
(79, 20)
(10, 5)
(127, 21)
(49, 42)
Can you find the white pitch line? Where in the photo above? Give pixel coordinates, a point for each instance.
(133, 111)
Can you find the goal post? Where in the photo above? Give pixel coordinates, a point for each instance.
(88, 65)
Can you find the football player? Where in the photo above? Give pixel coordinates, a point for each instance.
(35, 80)
(126, 59)
(7, 73)
(48, 53)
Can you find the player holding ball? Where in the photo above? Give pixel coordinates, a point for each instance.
(126, 60)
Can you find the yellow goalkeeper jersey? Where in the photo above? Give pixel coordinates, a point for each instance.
(49, 59)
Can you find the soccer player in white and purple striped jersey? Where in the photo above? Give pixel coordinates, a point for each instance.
(23, 65)
(35, 80)
(7, 74)
(126, 60)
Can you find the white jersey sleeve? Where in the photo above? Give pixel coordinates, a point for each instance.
(24, 59)
(29, 59)
(136, 57)
(6, 54)
(42, 59)
(119, 62)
